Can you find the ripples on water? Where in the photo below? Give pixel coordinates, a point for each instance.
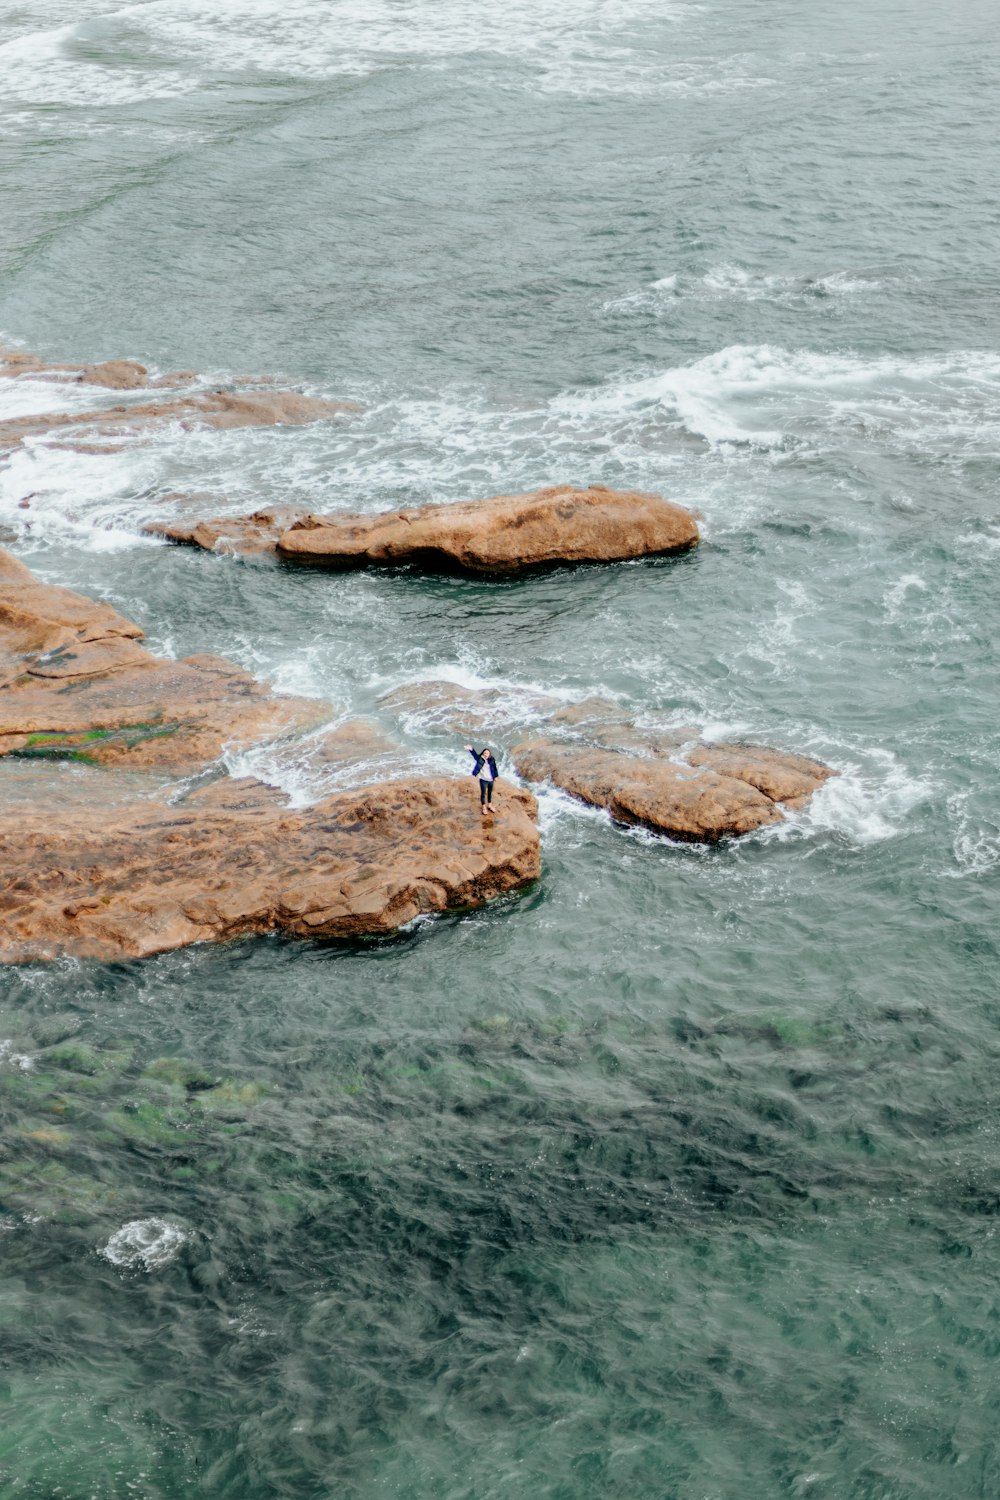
(675, 1177)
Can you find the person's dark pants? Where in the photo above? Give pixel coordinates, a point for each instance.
(485, 792)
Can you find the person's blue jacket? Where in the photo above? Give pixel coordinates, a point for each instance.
(479, 757)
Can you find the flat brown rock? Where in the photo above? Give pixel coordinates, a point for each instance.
(144, 877)
(498, 537)
(219, 409)
(39, 617)
(76, 683)
(353, 741)
(113, 374)
(245, 535)
(684, 798)
(505, 535)
(784, 777)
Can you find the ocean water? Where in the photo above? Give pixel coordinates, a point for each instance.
(677, 1176)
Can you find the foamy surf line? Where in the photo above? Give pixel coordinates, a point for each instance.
(575, 46)
(730, 280)
(736, 395)
(404, 449)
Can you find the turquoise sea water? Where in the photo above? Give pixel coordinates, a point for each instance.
(676, 1177)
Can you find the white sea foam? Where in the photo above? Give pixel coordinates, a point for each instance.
(89, 497)
(577, 46)
(50, 67)
(761, 394)
(866, 803)
(976, 837)
(895, 597)
(752, 405)
(145, 1244)
(728, 280)
(21, 1062)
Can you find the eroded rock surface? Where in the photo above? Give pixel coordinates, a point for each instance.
(245, 535)
(76, 682)
(232, 859)
(113, 374)
(439, 706)
(100, 857)
(784, 777)
(662, 776)
(498, 537)
(219, 409)
(678, 795)
(248, 402)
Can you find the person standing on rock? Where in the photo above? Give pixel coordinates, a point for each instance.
(486, 769)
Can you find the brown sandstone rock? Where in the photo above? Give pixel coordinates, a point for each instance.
(115, 375)
(14, 362)
(126, 707)
(108, 866)
(505, 535)
(784, 777)
(219, 409)
(687, 799)
(233, 859)
(245, 535)
(499, 537)
(355, 740)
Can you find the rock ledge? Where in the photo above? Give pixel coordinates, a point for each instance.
(500, 537)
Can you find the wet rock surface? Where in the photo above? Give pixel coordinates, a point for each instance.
(247, 402)
(102, 857)
(233, 859)
(76, 682)
(678, 796)
(245, 535)
(497, 537)
(661, 776)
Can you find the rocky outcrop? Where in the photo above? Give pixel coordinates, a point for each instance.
(686, 797)
(780, 775)
(113, 374)
(76, 683)
(500, 537)
(219, 409)
(119, 862)
(248, 402)
(245, 535)
(234, 859)
(662, 776)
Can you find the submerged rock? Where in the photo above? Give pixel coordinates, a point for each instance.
(127, 706)
(439, 706)
(498, 537)
(234, 859)
(660, 775)
(113, 374)
(245, 535)
(219, 409)
(257, 401)
(682, 796)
